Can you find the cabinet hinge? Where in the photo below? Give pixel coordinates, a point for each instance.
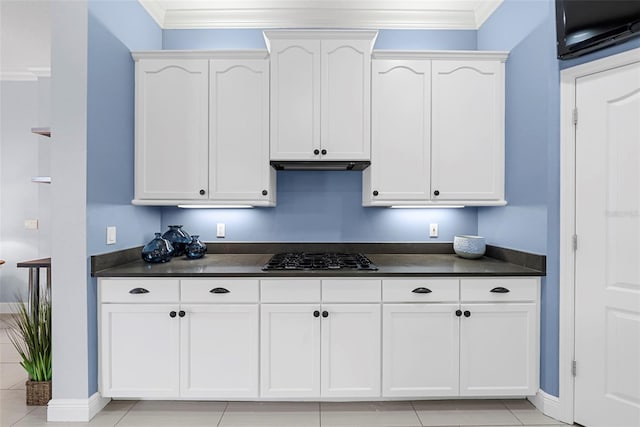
(574, 242)
(573, 368)
(575, 116)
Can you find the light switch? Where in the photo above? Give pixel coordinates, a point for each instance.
(433, 230)
(111, 235)
(220, 230)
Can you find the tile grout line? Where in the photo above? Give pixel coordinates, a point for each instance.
(415, 411)
(224, 411)
(25, 415)
(125, 414)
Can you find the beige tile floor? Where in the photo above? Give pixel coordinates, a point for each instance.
(14, 412)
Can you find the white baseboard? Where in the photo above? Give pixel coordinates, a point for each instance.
(76, 410)
(7, 307)
(547, 404)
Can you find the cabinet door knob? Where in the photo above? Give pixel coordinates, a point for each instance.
(219, 291)
(265, 192)
(499, 290)
(375, 192)
(324, 152)
(202, 192)
(181, 313)
(136, 291)
(436, 193)
(421, 290)
(316, 151)
(316, 313)
(172, 314)
(458, 313)
(467, 313)
(325, 314)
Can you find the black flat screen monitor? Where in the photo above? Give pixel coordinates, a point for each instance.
(583, 26)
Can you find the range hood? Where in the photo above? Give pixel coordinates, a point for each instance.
(328, 165)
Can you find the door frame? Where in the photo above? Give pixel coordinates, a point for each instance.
(568, 79)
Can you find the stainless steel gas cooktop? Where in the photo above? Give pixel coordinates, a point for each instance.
(319, 261)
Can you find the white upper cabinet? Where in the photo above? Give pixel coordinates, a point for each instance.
(437, 129)
(172, 125)
(401, 131)
(239, 167)
(468, 130)
(202, 128)
(320, 94)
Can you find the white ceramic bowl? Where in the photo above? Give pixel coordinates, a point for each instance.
(469, 246)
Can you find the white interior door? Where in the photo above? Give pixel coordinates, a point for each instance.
(607, 299)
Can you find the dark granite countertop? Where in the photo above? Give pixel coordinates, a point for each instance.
(437, 261)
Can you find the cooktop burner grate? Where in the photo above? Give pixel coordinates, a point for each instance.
(319, 261)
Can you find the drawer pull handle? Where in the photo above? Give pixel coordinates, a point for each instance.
(172, 314)
(316, 313)
(181, 313)
(421, 290)
(139, 291)
(467, 313)
(219, 291)
(499, 290)
(458, 313)
(325, 314)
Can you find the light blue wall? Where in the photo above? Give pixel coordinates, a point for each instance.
(322, 206)
(115, 29)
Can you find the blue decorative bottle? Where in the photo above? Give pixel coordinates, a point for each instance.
(179, 239)
(157, 250)
(196, 249)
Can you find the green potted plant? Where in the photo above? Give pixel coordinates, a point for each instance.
(30, 333)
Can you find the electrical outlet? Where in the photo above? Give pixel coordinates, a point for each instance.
(220, 230)
(433, 230)
(30, 224)
(111, 235)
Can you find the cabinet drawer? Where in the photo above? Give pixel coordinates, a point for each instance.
(417, 290)
(219, 290)
(351, 290)
(499, 289)
(139, 290)
(295, 290)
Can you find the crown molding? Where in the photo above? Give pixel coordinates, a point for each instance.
(357, 14)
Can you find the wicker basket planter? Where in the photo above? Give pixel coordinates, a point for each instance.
(38, 393)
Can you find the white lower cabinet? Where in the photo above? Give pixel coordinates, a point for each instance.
(219, 351)
(324, 344)
(140, 350)
(174, 350)
(499, 350)
(310, 339)
(486, 344)
(420, 351)
(313, 350)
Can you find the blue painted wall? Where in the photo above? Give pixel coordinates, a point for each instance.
(323, 207)
(115, 29)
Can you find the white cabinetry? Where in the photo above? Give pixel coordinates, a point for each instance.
(158, 339)
(313, 349)
(202, 129)
(320, 94)
(437, 129)
(485, 344)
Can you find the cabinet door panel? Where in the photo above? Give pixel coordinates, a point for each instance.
(351, 350)
(401, 131)
(239, 130)
(468, 130)
(172, 125)
(219, 351)
(420, 350)
(499, 350)
(345, 99)
(289, 351)
(295, 99)
(140, 350)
